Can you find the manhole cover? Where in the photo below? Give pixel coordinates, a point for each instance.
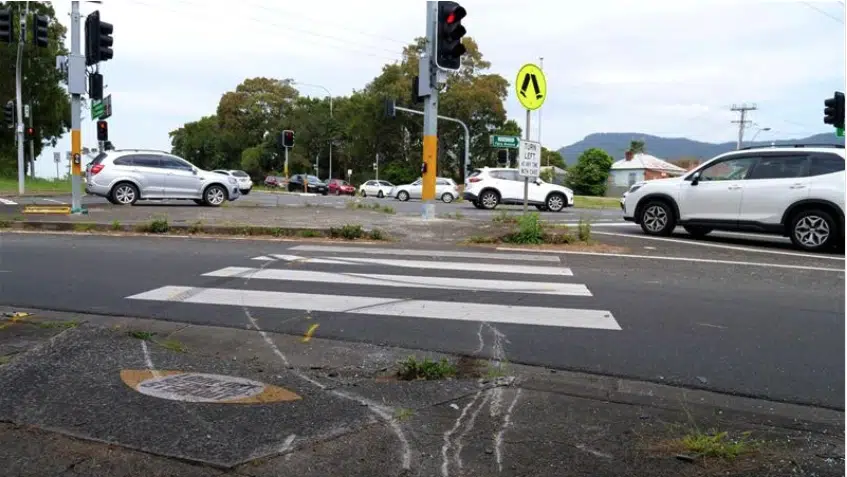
(202, 387)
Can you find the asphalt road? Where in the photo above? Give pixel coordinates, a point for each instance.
(745, 329)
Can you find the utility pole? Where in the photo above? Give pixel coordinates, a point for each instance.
(19, 128)
(743, 121)
(428, 76)
(76, 85)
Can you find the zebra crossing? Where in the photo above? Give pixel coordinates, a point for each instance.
(514, 288)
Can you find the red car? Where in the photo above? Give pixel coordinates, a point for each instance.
(339, 187)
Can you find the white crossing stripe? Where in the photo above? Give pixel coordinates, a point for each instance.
(7, 201)
(462, 266)
(511, 286)
(477, 312)
(264, 259)
(427, 253)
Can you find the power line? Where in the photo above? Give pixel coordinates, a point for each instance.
(823, 12)
(265, 22)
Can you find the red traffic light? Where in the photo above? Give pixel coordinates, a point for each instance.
(102, 131)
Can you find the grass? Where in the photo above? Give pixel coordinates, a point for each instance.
(309, 233)
(411, 369)
(140, 335)
(84, 227)
(503, 217)
(174, 345)
(348, 232)
(156, 226)
(49, 325)
(403, 414)
(4, 359)
(9, 185)
(376, 234)
(5, 224)
(587, 202)
(717, 444)
(387, 209)
(116, 225)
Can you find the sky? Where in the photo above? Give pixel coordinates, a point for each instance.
(659, 67)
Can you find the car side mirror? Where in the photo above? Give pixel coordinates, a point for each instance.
(194, 170)
(537, 181)
(695, 179)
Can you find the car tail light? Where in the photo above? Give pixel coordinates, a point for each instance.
(96, 168)
(474, 179)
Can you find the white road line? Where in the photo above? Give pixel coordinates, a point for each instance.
(424, 253)
(439, 310)
(512, 286)
(461, 266)
(718, 245)
(53, 200)
(7, 201)
(687, 259)
(594, 224)
(264, 259)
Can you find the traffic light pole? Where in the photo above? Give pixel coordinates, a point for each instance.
(75, 69)
(464, 126)
(19, 127)
(430, 123)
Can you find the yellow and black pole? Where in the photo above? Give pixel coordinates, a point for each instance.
(76, 81)
(428, 78)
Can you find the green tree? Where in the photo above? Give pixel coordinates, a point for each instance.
(42, 84)
(590, 173)
(199, 143)
(251, 160)
(637, 147)
(552, 158)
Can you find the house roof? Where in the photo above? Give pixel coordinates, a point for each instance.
(646, 161)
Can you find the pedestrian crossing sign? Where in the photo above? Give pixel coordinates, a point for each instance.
(531, 87)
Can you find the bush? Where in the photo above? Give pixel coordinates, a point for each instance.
(584, 231)
(530, 230)
(412, 369)
(348, 232)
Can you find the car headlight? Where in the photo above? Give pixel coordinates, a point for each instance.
(232, 180)
(633, 189)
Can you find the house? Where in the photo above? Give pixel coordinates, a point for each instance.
(636, 168)
(556, 174)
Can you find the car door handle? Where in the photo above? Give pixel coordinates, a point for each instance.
(798, 186)
(734, 187)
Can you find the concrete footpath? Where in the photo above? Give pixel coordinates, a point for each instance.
(112, 396)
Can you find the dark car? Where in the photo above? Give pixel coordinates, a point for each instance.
(339, 187)
(315, 185)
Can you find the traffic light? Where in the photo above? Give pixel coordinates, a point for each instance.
(30, 133)
(449, 32)
(95, 86)
(98, 39)
(9, 113)
(390, 112)
(102, 131)
(503, 157)
(40, 35)
(288, 138)
(833, 112)
(7, 27)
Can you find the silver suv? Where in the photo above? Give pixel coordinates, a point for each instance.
(126, 176)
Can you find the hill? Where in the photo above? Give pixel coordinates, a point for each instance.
(673, 148)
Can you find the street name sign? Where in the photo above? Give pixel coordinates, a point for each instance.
(529, 159)
(505, 142)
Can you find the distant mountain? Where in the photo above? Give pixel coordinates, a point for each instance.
(673, 148)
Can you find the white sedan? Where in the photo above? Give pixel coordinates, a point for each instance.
(376, 188)
(245, 184)
(446, 190)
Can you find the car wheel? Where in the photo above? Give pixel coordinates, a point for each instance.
(477, 204)
(657, 218)
(813, 230)
(214, 195)
(124, 193)
(380, 195)
(697, 231)
(403, 195)
(556, 202)
(489, 199)
(198, 201)
(447, 197)
(364, 194)
(111, 200)
(337, 191)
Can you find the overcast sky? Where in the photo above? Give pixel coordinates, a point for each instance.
(667, 68)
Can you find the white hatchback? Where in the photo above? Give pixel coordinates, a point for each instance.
(488, 187)
(245, 184)
(446, 190)
(376, 188)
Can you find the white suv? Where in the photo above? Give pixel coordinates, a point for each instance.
(488, 187)
(795, 191)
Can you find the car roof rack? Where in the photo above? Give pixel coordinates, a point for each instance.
(837, 146)
(142, 150)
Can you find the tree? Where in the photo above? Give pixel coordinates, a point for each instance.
(590, 173)
(552, 158)
(199, 143)
(42, 84)
(637, 147)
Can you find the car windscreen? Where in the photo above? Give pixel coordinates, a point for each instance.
(314, 180)
(240, 174)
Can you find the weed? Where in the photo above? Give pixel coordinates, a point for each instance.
(482, 239)
(6, 358)
(496, 371)
(5, 224)
(388, 209)
(196, 227)
(173, 345)
(717, 444)
(503, 217)
(348, 232)
(83, 227)
(116, 225)
(278, 232)
(141, 335)
(459, 216)
(584, 230)
(376, 234)
(403, 414)
(56, 324)
(530, 231)
(412, 369)
(157, 226)
(309, 233)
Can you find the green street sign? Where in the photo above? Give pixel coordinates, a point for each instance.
(505, 142)
(97, 109)
(839, 132)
